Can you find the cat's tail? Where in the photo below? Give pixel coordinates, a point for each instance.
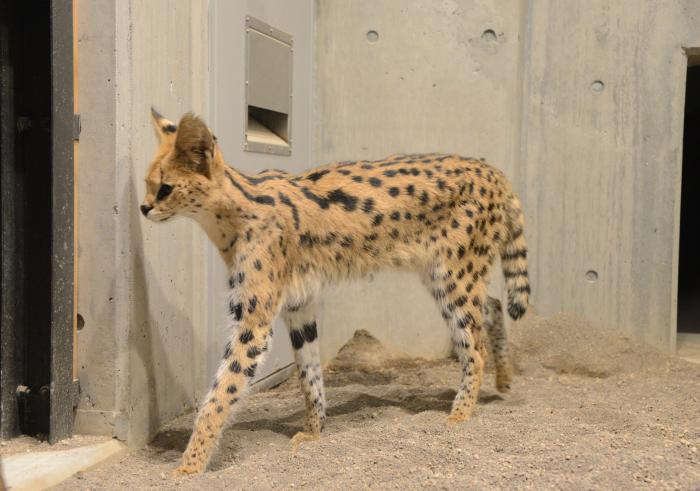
(514, 259)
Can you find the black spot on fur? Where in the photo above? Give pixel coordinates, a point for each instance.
(374, 181)
(250, 371)
(252, 304)
(377, 220)
(297, 338)
(310, 332)
(315, 176)
(253, 351)
(246, 336)
(235, 367)
(461, 250)
(465, 321)
(368, 205)
(306, 239)
(394, 192)
(339, 196)
(236, 310)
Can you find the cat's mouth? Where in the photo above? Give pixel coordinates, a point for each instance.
(159, 217)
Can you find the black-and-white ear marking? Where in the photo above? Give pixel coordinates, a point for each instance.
(164, 127)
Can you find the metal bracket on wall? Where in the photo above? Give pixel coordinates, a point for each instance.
(76, 127)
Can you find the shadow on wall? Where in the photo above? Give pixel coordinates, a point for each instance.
(161, 345)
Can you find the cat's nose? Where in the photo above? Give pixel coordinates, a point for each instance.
(145, 209)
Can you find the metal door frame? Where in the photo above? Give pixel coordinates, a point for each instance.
(15, 349)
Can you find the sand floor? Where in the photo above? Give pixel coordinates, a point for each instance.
(589, 410)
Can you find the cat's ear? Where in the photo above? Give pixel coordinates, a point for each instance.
(194, 145)
(165, 129)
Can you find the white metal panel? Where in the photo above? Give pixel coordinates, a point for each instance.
(228, 119)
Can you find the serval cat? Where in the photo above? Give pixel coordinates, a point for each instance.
(283, 237)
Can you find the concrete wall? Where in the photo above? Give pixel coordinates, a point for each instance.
(141, 354)
(598, 166)
(442, 76)
(601, 169)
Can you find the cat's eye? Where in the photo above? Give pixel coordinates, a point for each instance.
(164, 191)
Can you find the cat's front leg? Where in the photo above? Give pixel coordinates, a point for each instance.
(253, 304)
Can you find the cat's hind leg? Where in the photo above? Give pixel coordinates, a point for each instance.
(301, 322)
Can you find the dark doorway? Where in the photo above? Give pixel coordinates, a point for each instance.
(36, 205)
(689, 253)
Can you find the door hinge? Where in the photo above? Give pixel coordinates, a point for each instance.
(76, 127)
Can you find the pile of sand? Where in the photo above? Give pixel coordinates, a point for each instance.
(365, 353)
(569, 344)
(564, 343)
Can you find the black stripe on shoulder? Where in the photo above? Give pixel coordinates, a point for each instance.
(321, 202)
(262, 199)
(295, 212)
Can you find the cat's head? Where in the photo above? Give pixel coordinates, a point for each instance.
(183, 176)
